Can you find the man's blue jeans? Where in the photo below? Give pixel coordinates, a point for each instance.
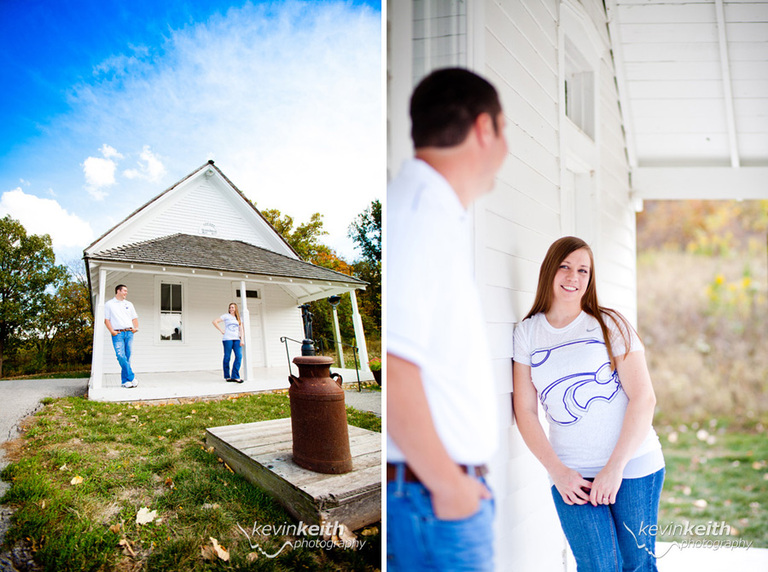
(615, 537)
(417, 540)
(229, 347)
(122, 343)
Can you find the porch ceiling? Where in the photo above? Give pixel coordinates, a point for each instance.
(693, 85)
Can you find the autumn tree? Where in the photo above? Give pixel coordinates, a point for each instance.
(66, 330)
(365, 230)
(27, 270)
(305, 240)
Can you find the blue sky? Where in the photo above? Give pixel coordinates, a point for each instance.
(105, 103)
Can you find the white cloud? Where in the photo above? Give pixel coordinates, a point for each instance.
(46, 216)
(150, 167)
(285, 96)
(121, 64)
(108, 151)
(100, 172)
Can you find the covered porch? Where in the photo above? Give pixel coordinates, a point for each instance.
(192, 384)
(179, 284)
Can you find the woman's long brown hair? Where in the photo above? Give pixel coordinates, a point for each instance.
(237, 312)
(558, 252)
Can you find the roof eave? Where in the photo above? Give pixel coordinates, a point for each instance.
(346, 281)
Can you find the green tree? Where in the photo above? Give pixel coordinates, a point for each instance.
(365, 230)
(70, 321)
(305, 238)
(27, 270)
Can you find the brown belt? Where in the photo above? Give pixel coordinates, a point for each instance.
(410, 477)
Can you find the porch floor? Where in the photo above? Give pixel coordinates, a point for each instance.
(185, 384)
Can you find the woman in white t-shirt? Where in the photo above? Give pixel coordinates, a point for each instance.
(233, 340)
(586, 365)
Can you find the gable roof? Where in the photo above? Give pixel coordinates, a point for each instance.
(205, 252)
(146, 212)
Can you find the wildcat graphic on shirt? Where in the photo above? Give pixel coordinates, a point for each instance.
(567, 399)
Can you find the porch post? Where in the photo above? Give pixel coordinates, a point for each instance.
(357, 322)
(248, 369)
(97, 359)
(337, 336)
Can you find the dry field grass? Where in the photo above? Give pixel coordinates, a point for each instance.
(704, 320)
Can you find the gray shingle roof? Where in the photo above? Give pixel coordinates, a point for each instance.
(204, 252)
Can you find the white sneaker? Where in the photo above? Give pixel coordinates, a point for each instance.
(130, 384)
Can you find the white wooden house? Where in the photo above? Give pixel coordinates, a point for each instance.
(607, 104)
(185, 255)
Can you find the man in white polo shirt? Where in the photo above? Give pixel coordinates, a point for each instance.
(122, 322)
(441, 412)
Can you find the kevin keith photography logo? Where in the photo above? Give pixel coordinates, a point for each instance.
(712, 535)
(325, 536)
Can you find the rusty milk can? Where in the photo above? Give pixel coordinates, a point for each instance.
(318, 417)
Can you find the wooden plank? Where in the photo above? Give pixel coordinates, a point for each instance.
(695, 147)
(654, 71)
(749, 70)
(668, 33)
(672, 51)
(521, 35)
(262, 452)
(704, 109)
(532, 84)
(678, 14)
(676, 89)
(757, 12)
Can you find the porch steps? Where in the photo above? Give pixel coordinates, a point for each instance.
(262, 453)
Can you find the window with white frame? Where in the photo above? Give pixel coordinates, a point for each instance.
(579, 90)
(171, 326)
(439, 35)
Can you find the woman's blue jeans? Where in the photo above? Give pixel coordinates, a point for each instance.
(229, 347)
(615, 537)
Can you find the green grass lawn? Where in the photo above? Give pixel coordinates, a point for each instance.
(83, 470)
(715, 474)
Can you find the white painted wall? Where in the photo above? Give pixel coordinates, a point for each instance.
(514, 227)
(204, 300)
(200, 205)
(543, 191)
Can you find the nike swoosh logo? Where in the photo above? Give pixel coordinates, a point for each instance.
(593, 329)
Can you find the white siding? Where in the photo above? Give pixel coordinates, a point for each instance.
(204, 301)
(200, 205)
(516, 224)
(283, 318)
